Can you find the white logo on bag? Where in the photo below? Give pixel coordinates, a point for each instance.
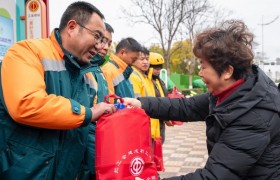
(136, 166)
(129, 155)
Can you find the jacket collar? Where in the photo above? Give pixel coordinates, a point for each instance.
(56, 42)
(228, 91)
(139, 72)
(120, 63)
(70, 60)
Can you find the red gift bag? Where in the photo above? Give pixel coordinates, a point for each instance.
(158, 155)
(176, 94)
(123, 146)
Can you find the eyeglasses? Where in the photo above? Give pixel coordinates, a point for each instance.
(97, 36)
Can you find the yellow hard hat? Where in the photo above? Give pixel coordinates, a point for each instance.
(156, 58)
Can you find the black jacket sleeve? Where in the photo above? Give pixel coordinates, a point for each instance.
(184, 109)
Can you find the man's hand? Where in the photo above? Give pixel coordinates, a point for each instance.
(102, 108)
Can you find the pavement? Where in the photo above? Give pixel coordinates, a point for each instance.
(184, 149)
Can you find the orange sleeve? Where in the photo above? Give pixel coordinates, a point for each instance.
(24, 92)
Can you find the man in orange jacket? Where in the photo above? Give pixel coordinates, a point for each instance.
(118, 69)
(46, 98)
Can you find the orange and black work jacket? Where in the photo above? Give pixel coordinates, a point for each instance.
(44, 111)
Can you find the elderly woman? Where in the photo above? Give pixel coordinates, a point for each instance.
(241, 109)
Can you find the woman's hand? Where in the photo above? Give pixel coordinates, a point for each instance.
(132, 102)
(169, 123)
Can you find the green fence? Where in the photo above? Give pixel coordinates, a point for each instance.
(182, 81)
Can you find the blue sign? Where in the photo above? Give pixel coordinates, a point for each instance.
(6, 35)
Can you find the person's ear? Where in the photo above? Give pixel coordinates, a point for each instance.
(71, 25)
(122, 52)
(228, 72)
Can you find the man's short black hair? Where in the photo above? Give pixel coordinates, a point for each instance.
(129, 44)
(145, 50)
(80, 11)
(109, 28)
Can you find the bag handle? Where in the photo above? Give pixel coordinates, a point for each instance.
(112, 96)
(175, 90)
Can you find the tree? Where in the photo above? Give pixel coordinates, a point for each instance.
(219, 14)
(156, 48)
(197, 16)
(180, 57)
(164, 16)
(171, 19)
(201, 15)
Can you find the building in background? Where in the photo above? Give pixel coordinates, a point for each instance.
(7, 24)
(270, 67)
(21, 19)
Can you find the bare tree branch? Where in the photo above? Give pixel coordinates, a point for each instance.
(197, 10)
(164, 16)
